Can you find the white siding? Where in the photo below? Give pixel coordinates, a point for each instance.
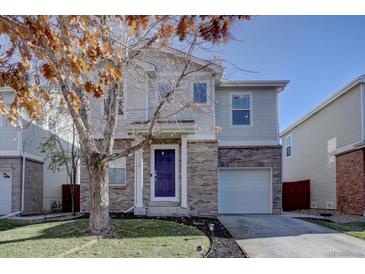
(341, 120)
(141, 97)
(8, 133)
(264, 128)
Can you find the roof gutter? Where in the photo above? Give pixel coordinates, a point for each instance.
(278, 84)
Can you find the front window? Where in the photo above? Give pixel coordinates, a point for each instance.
(288, 146)
(163, 89)
(200, 93)
(117, 172)
(241, 109)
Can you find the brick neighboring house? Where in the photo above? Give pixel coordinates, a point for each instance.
(190, 168)
(23, 166)
(326, 146)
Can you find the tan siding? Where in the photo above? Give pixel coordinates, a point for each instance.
(341, 120)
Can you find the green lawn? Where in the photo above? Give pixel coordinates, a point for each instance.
(356, 229)
(131, 238)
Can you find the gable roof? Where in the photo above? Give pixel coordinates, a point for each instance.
(213, 66)
(339, 93)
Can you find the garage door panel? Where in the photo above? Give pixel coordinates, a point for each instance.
(244, 191)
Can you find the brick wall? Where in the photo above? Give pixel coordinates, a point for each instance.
(33, 187)
(121, 198)
(260, 156)
(15, 164)
(350, 182)
(203, 178)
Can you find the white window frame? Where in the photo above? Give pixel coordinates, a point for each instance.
(124, 161)
(291, 145)
(192, 91)
(250, 109)
(177, 175)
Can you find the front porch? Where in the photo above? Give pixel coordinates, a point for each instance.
(161, 178)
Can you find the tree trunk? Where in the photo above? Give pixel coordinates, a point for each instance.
(99, 200)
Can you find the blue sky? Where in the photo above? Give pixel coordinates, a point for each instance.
(318, 54)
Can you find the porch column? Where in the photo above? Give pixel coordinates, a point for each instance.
(139, 178)
(184, 172)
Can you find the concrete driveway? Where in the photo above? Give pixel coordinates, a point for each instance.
(273, 236)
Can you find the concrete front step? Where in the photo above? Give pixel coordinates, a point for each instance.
(162, 211)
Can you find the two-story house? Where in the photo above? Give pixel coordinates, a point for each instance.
(27, 186)
(326, 146)
(220, 155)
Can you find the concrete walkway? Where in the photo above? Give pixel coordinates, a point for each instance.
(278, 236)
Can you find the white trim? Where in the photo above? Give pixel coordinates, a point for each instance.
(328, 101)
(279, 84)
(33, 157)
(138, 190)
(166, 199)
(253, 168)
(224, 143)
(199, 136)
(214, 105)
(291, 146)
(231, 94)
(346, 148)
(184, 172)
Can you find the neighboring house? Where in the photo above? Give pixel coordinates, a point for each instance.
(191, 168)
(326, 147)
(26, 184)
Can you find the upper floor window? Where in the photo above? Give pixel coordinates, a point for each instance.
(106, 105)
(288, 146)
(52, 125)
(241, 109)
(200, 93)
(163, 89)
(117, 172)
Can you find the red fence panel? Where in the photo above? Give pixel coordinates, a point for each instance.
(66, 198)
(296, 195)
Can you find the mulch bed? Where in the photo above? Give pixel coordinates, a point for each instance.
(222, 243)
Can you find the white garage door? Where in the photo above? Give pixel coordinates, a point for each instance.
(244, 191)
(5, 192)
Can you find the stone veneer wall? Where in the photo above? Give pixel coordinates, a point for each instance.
(121, 198)
(257, 156)
(203, 177)
(15, 164)
(33, 187)
(350, 182)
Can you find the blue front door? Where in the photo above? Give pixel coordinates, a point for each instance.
(165, 173)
